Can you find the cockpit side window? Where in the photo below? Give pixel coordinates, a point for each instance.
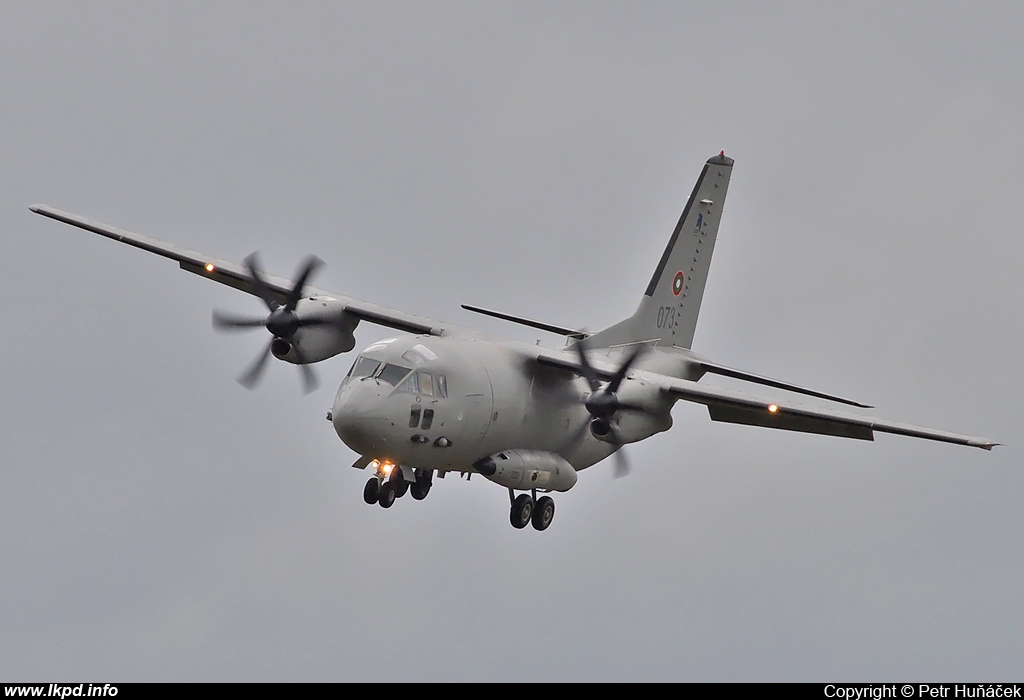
(393, 374)
(411, 384)
(364, 367)
(426, 383)
(442, 386)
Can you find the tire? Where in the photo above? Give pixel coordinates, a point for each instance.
(387, 495)
(371, 491)
(397, 479)
(522, 510)
(543, 513)
(419, 491)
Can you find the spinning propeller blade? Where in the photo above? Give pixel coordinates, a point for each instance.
(282, 322)
(603, 403)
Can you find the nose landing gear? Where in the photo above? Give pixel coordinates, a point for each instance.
(528, 509)
(389, 484)
(371, 491)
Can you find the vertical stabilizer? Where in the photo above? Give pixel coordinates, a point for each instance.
(668, 310)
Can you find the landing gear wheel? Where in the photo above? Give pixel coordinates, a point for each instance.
(371, 491)
(522, 510)
(397, 480)
(543, 513)
(387, 495)
(422, 485)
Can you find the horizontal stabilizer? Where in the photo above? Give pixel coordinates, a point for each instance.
(767, 381)
(558, 330)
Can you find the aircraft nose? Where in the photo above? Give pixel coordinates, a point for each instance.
(359, 418)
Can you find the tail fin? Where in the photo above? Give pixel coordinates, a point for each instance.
(667, 314)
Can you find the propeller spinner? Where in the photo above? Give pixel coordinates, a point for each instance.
(282, 322)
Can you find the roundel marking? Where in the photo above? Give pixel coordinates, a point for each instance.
(677, 283)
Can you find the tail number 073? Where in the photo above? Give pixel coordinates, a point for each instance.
(667, 317)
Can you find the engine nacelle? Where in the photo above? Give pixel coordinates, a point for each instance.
(633, 426)
(528, 469)
(318, 342)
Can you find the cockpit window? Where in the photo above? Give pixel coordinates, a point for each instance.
(426, 383)
(393, 374)
(411, 384)
(413, 357)
(364, 367)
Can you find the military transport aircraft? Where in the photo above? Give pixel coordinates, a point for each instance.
(444, 398)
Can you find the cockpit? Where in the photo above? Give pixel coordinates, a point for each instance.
(412, 375)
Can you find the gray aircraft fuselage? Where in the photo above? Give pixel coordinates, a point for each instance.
(491, 401)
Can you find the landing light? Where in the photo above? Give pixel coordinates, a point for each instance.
(773, 408)
(210, 267)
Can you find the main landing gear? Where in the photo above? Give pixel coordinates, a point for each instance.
(528, 509)
(390, 484)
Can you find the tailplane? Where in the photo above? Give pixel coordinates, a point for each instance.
(667, 314)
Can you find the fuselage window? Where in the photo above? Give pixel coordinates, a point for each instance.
(364, 367)
(428, 418)
(393, 374)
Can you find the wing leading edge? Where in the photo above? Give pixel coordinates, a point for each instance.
(237, 276)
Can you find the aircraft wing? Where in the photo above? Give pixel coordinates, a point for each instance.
(237, 276)
(737, 407)
(729, 406)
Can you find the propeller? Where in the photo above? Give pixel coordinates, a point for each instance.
(282, 322)
(603, 403)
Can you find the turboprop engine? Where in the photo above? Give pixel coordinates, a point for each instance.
(528, 469)
(303, 329)
(324, 330)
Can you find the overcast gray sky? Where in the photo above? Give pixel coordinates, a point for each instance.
(162, 523)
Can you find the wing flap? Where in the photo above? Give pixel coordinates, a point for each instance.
(724, 413)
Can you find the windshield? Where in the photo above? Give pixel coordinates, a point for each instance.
(393, 374)
(364, 367)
